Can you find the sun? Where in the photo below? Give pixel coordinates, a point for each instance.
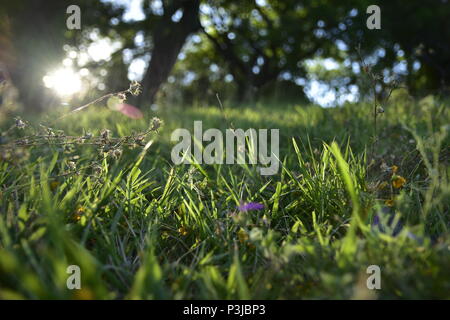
(65, 82)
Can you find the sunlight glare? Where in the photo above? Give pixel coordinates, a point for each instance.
(64, 81)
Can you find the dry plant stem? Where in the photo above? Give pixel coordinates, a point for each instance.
(134, 90)
(91, 103)
(104, 140)
(135, 139)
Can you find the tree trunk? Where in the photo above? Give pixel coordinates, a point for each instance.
(168, 39)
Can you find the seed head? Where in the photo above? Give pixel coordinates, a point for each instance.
(122, 97)
(20, 124)
(72, 165)
(116, 153)
(135, 88)
(155, 124)
(105, 134)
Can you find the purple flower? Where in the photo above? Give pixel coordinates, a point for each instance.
(386, 222)
(251, 206)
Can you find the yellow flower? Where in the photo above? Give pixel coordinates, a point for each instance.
(83, 294)
(382, 185)
(165, 234)
(389, 202)
(78, 213)
(183, 231)
(398, 181)
(242, 235)
(54, 185)
(394, 169)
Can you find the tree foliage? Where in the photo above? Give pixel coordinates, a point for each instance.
(246, 49)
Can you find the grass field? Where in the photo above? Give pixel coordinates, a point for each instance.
(141, 228)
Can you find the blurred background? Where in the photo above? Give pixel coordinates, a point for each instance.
(183, 52)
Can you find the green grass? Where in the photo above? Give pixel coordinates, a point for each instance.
(141, 228)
